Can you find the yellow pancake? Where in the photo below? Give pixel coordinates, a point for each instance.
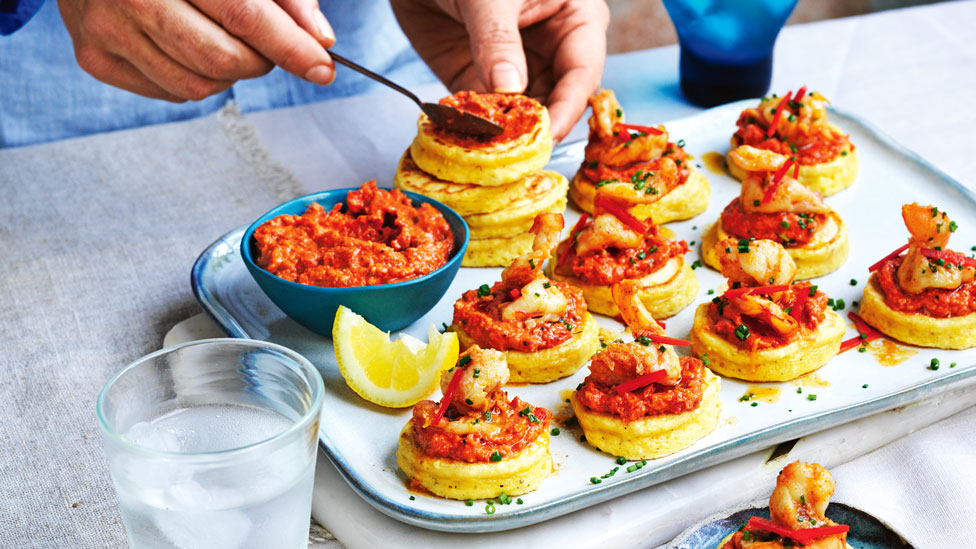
(497, 164)
(514, 475)
(824, 254)
(827, 178)
(550, 364)
(463, 198)
(665, 292)
(790, 361)
(654, 436)
(942, 333)
(683, 202)
(496, 252)
(542, 191)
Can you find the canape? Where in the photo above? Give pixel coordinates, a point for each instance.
(476, 443)
(796, 509)
(796, 125)
(926, 296)
(640, 400)
(643, 159)
(541, 325)
(765, 327)
(773, 205)
(617, 246)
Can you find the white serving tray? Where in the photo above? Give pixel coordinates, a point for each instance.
(361, 438)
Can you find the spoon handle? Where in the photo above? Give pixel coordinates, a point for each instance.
(366, 72)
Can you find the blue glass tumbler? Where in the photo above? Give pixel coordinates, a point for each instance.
(726, 46)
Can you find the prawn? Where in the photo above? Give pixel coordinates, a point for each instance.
(483, 372)
(800, 500)
(618, 149)
(538, 297)
(928, 228)
(625, 361)
(758, 263)
(789, 195)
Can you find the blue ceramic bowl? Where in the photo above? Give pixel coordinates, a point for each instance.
(387, 306)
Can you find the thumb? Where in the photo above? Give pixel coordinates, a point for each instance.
(309, 17)
(496, 45)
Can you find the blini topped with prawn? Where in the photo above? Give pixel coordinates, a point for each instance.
(541, 325)
(765, 328)
(642, 401)
(640, 159)
(773, 205)
(476, 443)
(927, 296)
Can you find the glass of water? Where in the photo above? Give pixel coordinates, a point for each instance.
(212, 444)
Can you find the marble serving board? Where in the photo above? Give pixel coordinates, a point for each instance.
(360, 438)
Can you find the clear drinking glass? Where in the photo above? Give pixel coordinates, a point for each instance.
(726, 46)
(212, 444)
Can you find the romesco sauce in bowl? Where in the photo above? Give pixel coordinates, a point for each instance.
(387, 255)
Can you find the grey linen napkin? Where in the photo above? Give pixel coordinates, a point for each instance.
(97, 238)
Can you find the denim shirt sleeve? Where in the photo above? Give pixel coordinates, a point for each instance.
(14, 13)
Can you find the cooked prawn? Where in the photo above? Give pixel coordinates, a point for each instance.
(624, 361)
(618, 150)
(929, 228)
(607, 231)
(755, 263)
(485, 371)
(539, 298)
(810, 117)
(802, 492)
(789, 195)
(644, 187)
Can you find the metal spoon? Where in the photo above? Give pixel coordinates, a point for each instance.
(444, 116)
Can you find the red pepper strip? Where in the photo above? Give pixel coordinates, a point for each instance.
(515, 293)
(642, 381)
(777, 178)
(803, 534)
(665, 340)
(661, 324)
(801, 302)
(856, 341)
(799, 94)
(796, 170)
(862, 326)
(949, 256)
(892, 255)
(572, 239)
(620, 213)
(448, 395)
(649, 130)
(779, 114)
(757, 290)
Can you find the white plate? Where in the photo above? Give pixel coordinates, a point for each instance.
(361, 438)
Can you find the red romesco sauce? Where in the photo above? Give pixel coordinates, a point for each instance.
(674, 159)
(517, 114)
(472, 444)
(934, 302)
(651, 400)
(377, 237)
(817, 147)
(790, 229)
(726, 317)
(481, 317)
(611, 265)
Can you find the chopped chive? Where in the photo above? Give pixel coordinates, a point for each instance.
(811, 397)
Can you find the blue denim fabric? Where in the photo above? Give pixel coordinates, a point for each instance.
(45, 96)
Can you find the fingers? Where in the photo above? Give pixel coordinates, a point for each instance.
(273, 33)
(120, 73)
(496, 45)
(309, 17)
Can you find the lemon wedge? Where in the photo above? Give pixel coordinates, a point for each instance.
(394, 374)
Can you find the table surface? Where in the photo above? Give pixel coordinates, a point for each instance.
(909, 72)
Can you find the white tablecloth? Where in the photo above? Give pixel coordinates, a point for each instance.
(910, 72)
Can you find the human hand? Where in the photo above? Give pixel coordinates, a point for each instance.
(191, 49)
(552, 50)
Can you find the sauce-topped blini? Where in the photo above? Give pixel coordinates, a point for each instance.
(541, 325)
(773, 205)
(476, 443)
(617, 246)
(765, 327)
(926, 296)
(376, 237)
(796, 126)
(642, 159)
(641, 400)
